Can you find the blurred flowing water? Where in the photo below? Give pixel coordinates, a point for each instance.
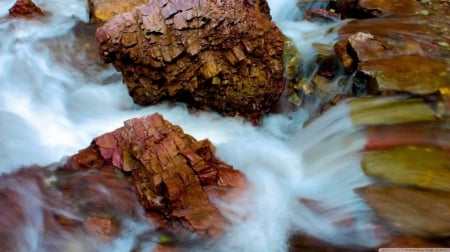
(49, 109)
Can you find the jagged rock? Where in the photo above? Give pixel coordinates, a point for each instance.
(101, 11)
(420, 166)
(173, 174)
(25, 9)
(221, 55)
(410, 211)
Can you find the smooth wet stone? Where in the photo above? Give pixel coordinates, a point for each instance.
(419, 166)
(388, 111)
(420, 35)
(433, 134)
(410, 211)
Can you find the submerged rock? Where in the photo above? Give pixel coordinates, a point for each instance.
(226, 56)
(419, 166)
(25, 9)
(390, 111)
(410, 211)
(382, 137)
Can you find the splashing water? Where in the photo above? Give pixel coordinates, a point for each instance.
(50, 109)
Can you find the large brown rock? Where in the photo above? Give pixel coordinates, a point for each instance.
(223, 55)
(410, 211)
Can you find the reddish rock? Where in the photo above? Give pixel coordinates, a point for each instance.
(225, 55)
(383, 137)
(171, 172)
(25, 9)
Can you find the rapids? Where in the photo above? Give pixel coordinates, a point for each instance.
(50, 109)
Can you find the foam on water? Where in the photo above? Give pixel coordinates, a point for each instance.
(50, 110)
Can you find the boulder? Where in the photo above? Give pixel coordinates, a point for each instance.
(224, 55)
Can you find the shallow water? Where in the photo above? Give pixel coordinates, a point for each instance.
(50, 109)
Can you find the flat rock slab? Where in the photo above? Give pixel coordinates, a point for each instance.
(420, 166)
(410, 211)
(390, 111)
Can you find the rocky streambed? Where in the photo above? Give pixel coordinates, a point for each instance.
(390, 67)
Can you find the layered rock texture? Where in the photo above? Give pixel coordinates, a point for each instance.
(173, 174)
(221, 55)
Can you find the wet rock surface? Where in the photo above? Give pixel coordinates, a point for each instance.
(225, 56)
(397, 55)
(409, 210)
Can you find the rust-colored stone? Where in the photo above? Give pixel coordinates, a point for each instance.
(224, 55)
(384, 137)
(25, 9)
(169, 170)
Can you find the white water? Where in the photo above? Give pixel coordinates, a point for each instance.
(50, 110)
